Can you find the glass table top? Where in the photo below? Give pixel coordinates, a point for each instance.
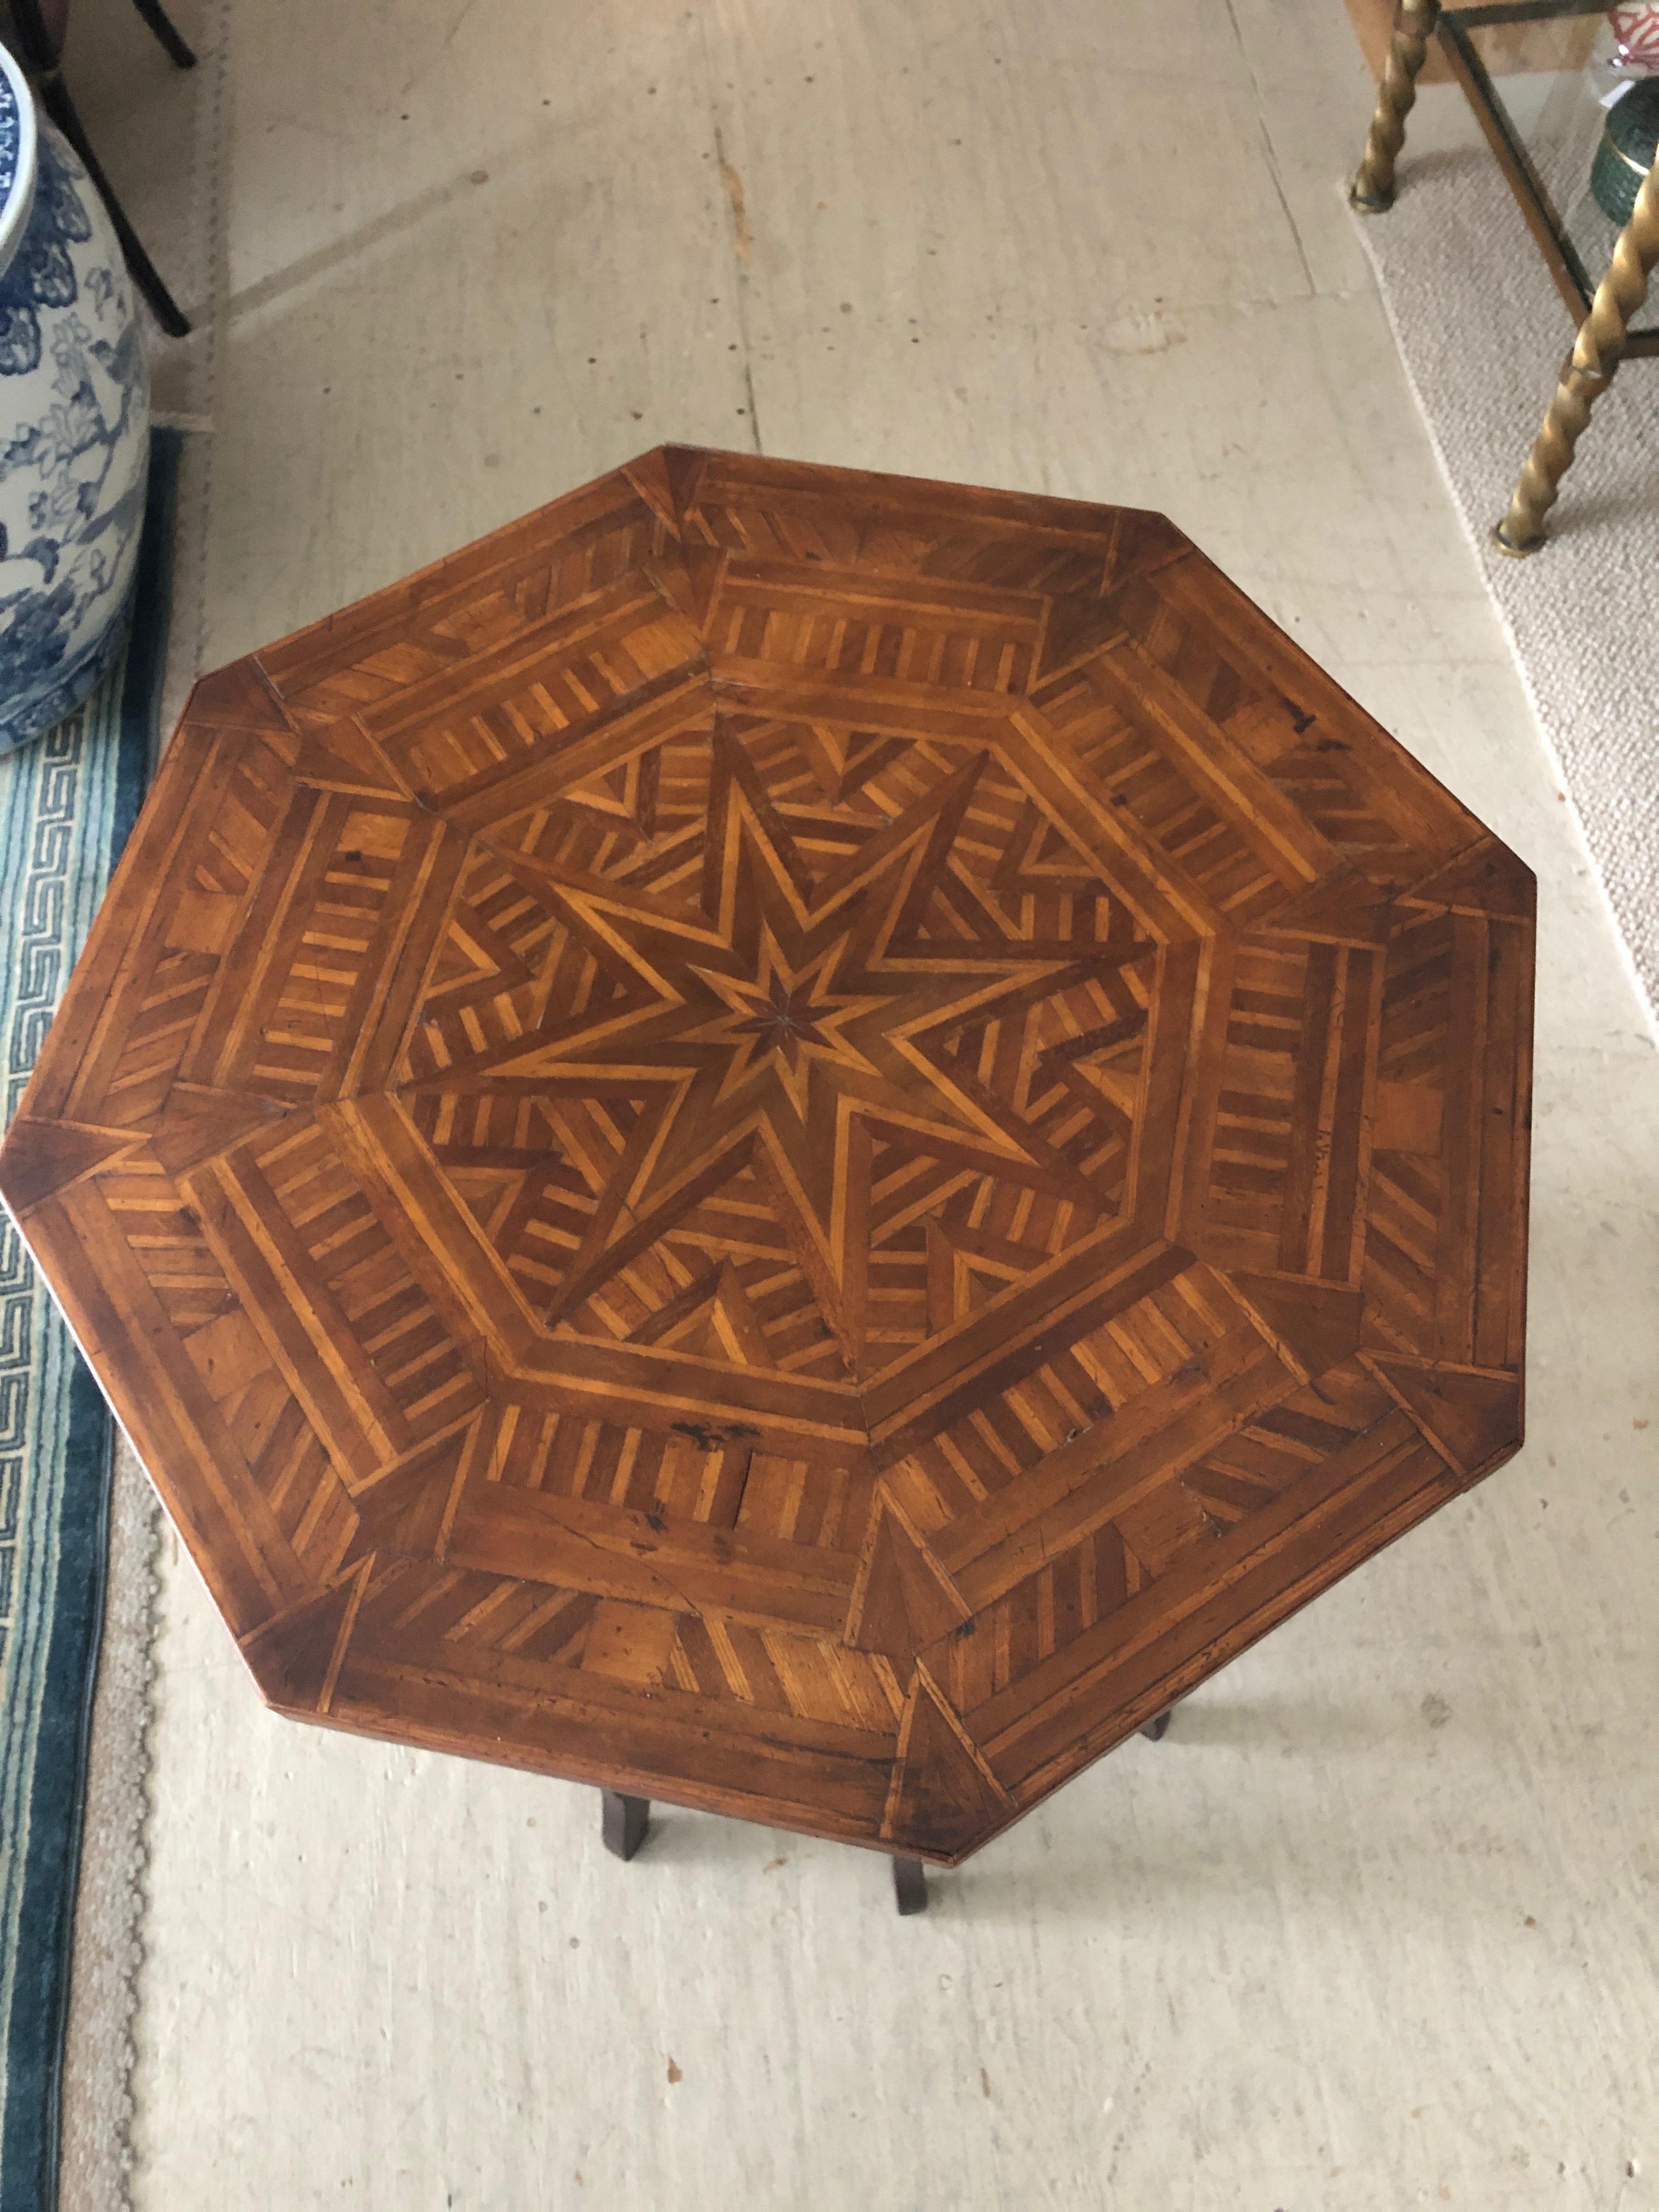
(1546, 75)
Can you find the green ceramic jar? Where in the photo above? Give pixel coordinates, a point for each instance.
(1625, 153)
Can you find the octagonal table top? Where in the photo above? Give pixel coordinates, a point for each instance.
(791, 1140)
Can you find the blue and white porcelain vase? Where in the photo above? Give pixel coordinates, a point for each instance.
(74, 426)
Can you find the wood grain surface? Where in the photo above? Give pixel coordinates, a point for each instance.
(791, 1140)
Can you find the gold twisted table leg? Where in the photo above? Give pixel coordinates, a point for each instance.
(1413, 26)
(1602, 339)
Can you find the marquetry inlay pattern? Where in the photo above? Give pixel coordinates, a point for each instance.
(796, 1141)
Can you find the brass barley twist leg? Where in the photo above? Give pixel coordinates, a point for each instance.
(1595, 356)
(1373, 187)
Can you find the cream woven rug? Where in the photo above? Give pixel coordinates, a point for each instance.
(1369, 1929)
(158, 131)
(1360, 1933)
(1483, 334)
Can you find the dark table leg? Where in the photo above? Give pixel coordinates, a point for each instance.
(145, 275)
(177, 50)
(39, 57)
(623, 1822)
(1156, 1730)
(910, 1885)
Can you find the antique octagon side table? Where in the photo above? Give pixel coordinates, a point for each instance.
(795, 1141)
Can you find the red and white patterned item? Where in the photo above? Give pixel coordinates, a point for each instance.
(1636, 27)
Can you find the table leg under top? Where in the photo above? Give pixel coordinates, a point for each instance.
(623, 1822)
(909, 1886)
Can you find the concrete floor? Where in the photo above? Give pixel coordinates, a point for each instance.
(1375, 1926)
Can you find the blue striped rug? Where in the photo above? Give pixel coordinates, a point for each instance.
(66, 805)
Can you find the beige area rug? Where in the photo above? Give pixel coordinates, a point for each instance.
(1373, 1927)
(158, 132)
(1483, 334)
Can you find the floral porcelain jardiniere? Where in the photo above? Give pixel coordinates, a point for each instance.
(74, 426)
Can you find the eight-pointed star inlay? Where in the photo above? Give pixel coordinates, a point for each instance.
(801, 1009)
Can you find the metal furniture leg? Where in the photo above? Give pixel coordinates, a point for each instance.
(623, 1822)
(177, 51)
(909, 1886)
(40, 59)
(1601, 346)
(1373, 187)
(145, 275)
(1158, 1729)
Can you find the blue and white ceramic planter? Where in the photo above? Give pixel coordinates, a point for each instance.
(74, 426)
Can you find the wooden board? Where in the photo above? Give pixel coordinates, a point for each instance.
(792, 1140)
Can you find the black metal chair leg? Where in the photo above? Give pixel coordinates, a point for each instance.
(1156, 1730)
(909, 1886)
(623, 1821)
(61, 108)
(177, 51)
